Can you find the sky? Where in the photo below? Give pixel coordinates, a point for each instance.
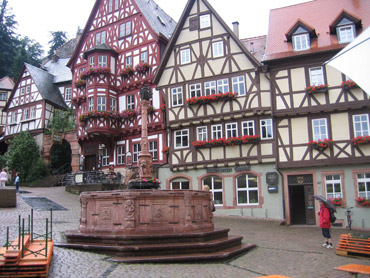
(37, 18)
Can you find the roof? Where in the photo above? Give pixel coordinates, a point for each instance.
(256, 46)
(100, 47)
(6, 83)
(320, 15)
(59, 70)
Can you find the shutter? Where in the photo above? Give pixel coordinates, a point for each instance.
(193, 23)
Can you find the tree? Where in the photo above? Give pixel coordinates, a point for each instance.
(23, 156)
(59, 39)
(62, 121)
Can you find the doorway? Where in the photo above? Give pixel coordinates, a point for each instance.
(61, 158)
(90, 163)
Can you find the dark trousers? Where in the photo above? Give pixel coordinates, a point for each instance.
(17, 187)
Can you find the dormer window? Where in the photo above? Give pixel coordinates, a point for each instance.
(301, 42)
(346, 33)
(345, 27)
(300, 36)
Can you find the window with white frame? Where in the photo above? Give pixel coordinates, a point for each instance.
(3, 96)
(216, 131)
(125, 29)
(144, 57)
(128, 61)
(102, 61)
(33, 112)
(215, 185)
(102, 103)
(26, 114)
(136, 148)
(223, 85)
(319, 129)
(239, 85)
(266, 129)
(247, 189)
(14, 117)
(130, 101)
(177, 97)
(91, 103)
(346, 33)
(205, 21)
(248, 128)
(361, 125)
(180, 184)
(333, 186)
(105, 158)
(68, 94)
(28, 88)
(181, 138)
(301, 42)
(92, 61)
(22, 91)
(110, 6)
(153, 149)
(363, 185)
(202, 133)
(195, 90)
(121, 155)
(185, 56)
(100, 37)
(113, 104)
(116, 5)
(316, 76)
(218, 49)
(210, 88)
(231, 130)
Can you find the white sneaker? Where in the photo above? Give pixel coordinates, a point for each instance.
(329, 246)
(325, 245)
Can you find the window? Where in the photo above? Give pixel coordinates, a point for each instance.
(120, 155)
(68, 94)
(247, 189)
(195, 90)
(14, 117)
(153, 149)
(33, 112)
(363, 184)
(177, 98)
(22, 91)
(105, 158)
(301, 42)
(266, 129)
(26, 114)
(92, 61)
(210, 88)
(205, 21)
(215, 185)
(239, 85)
(128, 61)
(180, 184)
(216, 131)
(181, 138)
(3, 96)
(319, 129)
(130, 101)
(185, 56)
(91, 103)
(231, 130)
(218, 49)
(202, 133)
(125, 29)
(113, 104)
(102, 106)
(144, 57)
(102, 61)
(100, 37)
(136, 148)
(116, 5)
(28, 88)
(110, 6)
(333, 185)
(248, 128)
(361, 125)
(346, 33)
(316, 76)
(223, 86)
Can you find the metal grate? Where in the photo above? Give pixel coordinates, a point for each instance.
(300, 179)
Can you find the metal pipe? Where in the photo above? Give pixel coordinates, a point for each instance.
(51, 224)
(31, 225)
(22, 238)
(46, 238)
(7, 238)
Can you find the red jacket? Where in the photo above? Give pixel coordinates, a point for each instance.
(324, 217)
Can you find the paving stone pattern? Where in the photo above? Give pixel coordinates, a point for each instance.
(293, 251)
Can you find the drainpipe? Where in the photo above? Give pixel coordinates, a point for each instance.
(282, 191)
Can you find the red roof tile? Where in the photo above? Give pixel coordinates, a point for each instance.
(256, 46)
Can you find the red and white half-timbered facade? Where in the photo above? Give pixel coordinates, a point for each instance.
(118, 53)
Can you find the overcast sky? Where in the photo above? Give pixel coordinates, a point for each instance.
(37, 18)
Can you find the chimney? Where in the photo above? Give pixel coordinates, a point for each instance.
(236, 28)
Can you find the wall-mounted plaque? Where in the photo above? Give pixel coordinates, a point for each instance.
(272, 178)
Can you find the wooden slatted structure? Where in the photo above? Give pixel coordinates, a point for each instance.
(353, 246)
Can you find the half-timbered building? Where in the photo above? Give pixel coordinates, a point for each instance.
(6, 87)
(218, 116)
(118, 53)
(321, 118)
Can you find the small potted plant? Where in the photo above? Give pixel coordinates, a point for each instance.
(142, 67)
(338, 201)
(362, 201)
(165, 150)
(349, 84)
(127, 72)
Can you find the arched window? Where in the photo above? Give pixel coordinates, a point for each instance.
(247, 190)
(180, 183)
(215, 185)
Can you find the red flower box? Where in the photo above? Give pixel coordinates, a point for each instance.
(361, 140)
(227, 142)
(210, 98)
(317, 89)
(363, 201)
(320, 144)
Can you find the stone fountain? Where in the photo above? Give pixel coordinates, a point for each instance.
(144, 224)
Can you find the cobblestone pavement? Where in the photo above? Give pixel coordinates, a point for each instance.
(293, 251)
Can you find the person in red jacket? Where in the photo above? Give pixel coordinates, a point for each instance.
(324, 214)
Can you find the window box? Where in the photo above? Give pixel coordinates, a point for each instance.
(363, 201)
(80, 83)
(98, 114)
(94, 71)
(317, 89)
(163, 108)
(165, 150)
(349, 84)
(150, 109)
(247, 139)
(337, 201)
(142, 67)
(127, 72)
(361, 140)
(320, 144)
(128, 114)
(210, 98)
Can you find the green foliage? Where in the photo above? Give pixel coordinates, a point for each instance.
(62, 121)
(59, 38)
(24, 157)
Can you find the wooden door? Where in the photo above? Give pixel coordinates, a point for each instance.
(90, 163)
(309, 205)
